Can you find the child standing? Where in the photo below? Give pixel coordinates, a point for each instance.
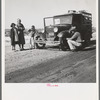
(32, 33)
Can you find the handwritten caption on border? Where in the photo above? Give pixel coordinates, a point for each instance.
(51, 85)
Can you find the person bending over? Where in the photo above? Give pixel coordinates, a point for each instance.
(75, 41)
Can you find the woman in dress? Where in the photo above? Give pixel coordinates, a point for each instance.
(21, 29)
(14, 36)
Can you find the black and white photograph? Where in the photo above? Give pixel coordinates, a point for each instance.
(50, 49)
(50, 41)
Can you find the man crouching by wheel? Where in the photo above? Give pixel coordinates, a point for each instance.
(62, 37)
(75, 41)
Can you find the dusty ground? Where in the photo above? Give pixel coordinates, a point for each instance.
(50, 65)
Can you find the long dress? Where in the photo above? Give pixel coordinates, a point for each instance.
(21, 28)
(14, 36)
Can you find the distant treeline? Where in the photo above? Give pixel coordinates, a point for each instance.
(7, 31)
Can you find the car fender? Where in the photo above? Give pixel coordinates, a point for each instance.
(61, 34)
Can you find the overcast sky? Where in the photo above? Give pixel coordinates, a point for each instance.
(32, 12)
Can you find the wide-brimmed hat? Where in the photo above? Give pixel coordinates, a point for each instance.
(12, 24)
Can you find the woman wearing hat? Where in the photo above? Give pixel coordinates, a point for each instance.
(21, 28)
(14, 36)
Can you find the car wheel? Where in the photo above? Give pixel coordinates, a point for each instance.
(62, 47)
(39, 45)
(63, 44)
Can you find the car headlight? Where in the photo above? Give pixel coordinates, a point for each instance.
(56, 29)
(42, 31)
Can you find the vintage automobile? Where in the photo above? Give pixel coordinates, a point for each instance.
(53, 27)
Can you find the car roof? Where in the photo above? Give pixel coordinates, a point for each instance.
(74, 13)
(66, 14)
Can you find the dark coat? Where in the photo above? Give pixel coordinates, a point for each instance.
(14, 36)
(21, 33)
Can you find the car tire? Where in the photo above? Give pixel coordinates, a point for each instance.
(62, 47)
(63, 44)
(39, 45)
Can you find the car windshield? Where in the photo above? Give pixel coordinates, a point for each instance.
(62, 20)
(49, 21)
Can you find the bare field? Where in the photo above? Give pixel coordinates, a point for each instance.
(49, 65)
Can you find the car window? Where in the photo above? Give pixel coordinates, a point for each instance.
(49, 21)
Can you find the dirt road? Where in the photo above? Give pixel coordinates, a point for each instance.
(51, 65)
